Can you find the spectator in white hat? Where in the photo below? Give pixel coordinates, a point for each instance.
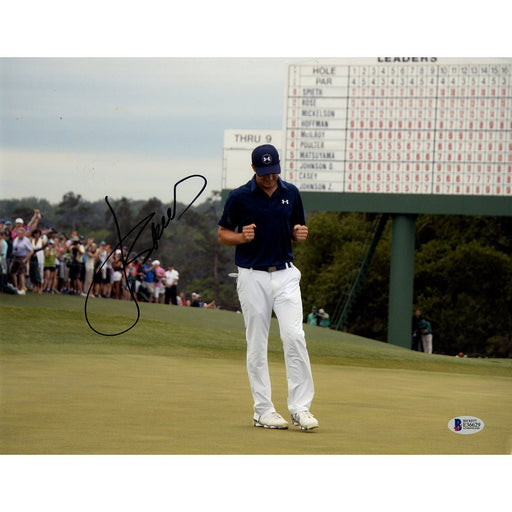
(196, 300)
(33, 223)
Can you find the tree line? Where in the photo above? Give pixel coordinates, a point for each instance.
(463, 264)
(462, 277)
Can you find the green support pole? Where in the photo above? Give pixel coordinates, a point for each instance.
(401, 280)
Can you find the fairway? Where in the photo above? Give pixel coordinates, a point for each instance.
(176, 384)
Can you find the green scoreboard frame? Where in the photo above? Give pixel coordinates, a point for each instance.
(408, 204)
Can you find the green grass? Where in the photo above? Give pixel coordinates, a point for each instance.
(176, 384)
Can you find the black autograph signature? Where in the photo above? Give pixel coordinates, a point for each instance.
(156, 233)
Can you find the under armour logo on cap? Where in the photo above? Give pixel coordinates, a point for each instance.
(265, 160)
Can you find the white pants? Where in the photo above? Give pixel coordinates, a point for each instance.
(426, 339)
(260, 292)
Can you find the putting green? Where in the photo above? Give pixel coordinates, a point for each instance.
(176, 384)
(144, 404)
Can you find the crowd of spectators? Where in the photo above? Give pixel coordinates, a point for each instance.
(48, 261)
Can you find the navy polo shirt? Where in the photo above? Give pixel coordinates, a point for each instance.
(274, 218)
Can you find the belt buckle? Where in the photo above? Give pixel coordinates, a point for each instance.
(271, 269)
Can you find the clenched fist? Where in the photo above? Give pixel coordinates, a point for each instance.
(300, 233)
(248, 233)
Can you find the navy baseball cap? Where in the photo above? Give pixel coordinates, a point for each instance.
(265, 160)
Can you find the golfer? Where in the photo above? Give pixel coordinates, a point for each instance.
(261, 218)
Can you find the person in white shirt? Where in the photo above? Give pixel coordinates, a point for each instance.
(21, 253)
(171, 285)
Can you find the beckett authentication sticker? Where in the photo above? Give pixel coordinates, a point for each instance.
(466, 425)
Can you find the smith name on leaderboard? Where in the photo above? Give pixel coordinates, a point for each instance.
(312, 92)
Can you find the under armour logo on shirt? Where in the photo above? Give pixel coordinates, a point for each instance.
(284, 201)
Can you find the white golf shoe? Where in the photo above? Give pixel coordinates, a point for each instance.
(270, 420)
(305, 420)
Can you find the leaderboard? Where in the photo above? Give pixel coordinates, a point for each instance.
(400, 126)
